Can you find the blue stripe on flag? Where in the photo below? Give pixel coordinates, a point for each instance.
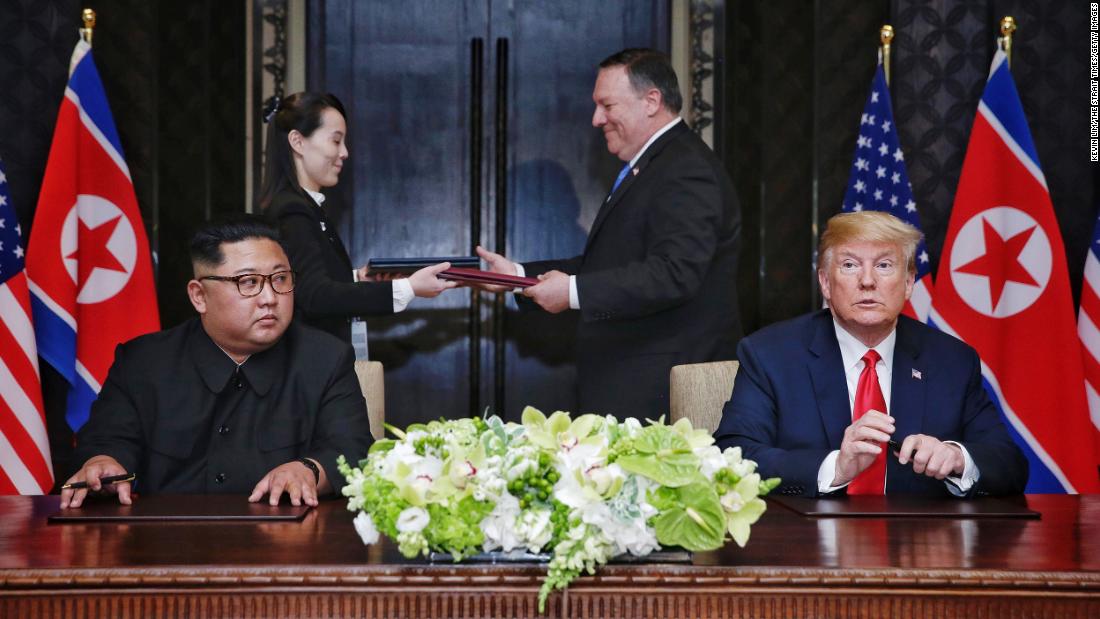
(1094, 247)
(1001, 98)
(1040, 480)
(79, 404)
(86, 84)
(56, 340)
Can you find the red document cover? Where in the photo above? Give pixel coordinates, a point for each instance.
(459, 274)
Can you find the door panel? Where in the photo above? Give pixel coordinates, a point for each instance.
(403, 70)
(560, 170)
(449, 149)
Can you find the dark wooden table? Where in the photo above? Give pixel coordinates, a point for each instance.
(793, 566)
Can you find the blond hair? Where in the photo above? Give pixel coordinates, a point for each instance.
(869, 227)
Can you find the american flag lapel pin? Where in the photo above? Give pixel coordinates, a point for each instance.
(916, 374)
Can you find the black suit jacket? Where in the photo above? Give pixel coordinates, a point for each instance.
(790, 406)
(325, 295)
(163, 403)
(657, 278)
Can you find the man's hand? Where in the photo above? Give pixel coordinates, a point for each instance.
(95, 468)
(296, 479)
(551, 293)
(932, 456)
(861, 445)
(497, 264)
(426, 283)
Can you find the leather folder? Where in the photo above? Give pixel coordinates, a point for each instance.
(485, 277)
(904, 506)
(167, 507)
(411, 265)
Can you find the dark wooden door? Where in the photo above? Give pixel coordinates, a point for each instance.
(470, 122)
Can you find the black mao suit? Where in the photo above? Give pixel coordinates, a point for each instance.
(325, 294)
(175, 410)
(656, 281)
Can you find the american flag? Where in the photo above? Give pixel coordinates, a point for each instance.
(1088, 329)
(878, 181)
(24, 447)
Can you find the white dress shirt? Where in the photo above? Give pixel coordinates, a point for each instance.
(851, 354)
(402, 290)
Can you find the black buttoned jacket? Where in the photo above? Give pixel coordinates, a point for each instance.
(175, 411)
(325, 295)
(657, 279)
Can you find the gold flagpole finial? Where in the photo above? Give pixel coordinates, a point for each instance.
(1008, 26)
(88, 15)
(886, 35)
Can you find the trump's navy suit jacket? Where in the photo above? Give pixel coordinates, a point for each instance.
(790, 406)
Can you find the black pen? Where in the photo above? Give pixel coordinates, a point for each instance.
(893, 445)
(110, 479)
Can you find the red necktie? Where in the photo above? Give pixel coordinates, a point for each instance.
(869, 397)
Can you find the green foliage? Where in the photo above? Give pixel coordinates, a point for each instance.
(457, 530)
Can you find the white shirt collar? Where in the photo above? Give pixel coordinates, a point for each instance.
(653, 138)
(852, 350)
(317, 196)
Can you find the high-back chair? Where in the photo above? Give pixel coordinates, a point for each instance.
(698, 391)
(373, 384)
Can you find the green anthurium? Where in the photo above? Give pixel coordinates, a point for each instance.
(664, 456)
(691, 517)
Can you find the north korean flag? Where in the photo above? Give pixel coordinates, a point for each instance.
(1003, 287)
(88, 260)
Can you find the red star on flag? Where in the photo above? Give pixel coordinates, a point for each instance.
(92, 251)
(1001, 262)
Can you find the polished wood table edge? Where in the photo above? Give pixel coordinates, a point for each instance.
(495, 577)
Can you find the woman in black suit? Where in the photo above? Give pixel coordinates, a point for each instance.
(306, 150)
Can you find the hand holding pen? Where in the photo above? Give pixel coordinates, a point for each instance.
(99, 473)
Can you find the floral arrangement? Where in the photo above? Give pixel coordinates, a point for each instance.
(585, 490)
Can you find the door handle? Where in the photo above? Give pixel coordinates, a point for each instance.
(477, 79)
(500, 111)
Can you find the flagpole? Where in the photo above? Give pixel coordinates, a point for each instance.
(1008, 26)
(89, 24)
(886, 35)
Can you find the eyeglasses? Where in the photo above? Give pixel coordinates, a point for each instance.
(252, 284)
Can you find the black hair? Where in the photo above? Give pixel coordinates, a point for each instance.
(206, 243)
(300, 111)
(649, 68)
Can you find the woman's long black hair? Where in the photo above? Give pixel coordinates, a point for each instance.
(301, 111)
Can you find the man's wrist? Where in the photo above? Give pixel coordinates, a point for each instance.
(311, 465)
